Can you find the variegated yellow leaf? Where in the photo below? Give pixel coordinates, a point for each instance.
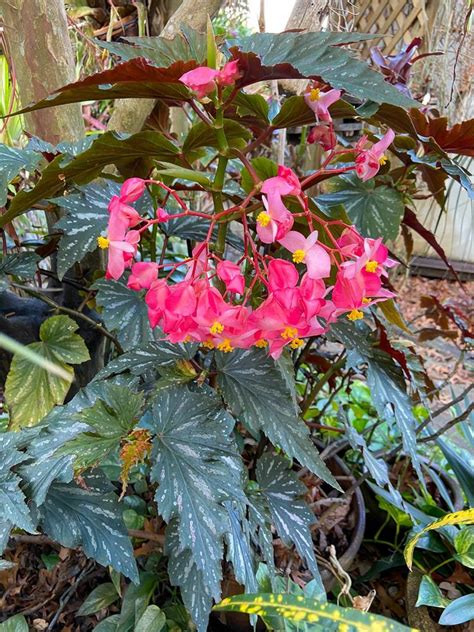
(458, 517)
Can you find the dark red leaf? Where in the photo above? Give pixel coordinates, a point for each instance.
(459, 139)
(132, 79)
(410, 219)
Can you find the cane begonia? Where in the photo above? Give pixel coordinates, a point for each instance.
(213, 303)
(369, 161)
(323, 135)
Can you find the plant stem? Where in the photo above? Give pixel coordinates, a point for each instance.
(320, 383)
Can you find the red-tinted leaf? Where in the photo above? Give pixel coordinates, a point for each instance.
(435, 181)
(133, 79)
(457, 140)
(385, 344)
(410, 219)
(430, 333)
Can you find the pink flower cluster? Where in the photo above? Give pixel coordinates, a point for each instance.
(292, 300)
(368, 162)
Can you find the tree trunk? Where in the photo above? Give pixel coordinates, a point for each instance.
(307, 15)
(43, 60)
(130, 115)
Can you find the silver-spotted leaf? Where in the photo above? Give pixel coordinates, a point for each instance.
(125, 312)
(291, 516)
(197, 466)
(256, 391)
(91, 518)
(376, 210)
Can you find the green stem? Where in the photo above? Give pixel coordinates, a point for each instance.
(320, 383)
(435, 568)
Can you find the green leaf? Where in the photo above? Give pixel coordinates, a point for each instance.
(256, 391)
(430, 595)
(14, 510)
(252, 105)
(125, 152)
(301, 610)
(464, 545)
(456, 518)
(183, 572)
(12, 161)
(101, 597)
(264, 168)
(392, 314)
(292, 517)
(161, 51)
(459, 611)
(109, 624)
(110, 420)
(125, 312)
(86, 218)
(30, 390)
(201, 135)
(384, 379)
(21, 264)
(173, 171)
(90, 518)
(14, 624)
(147, 358)
(318, 55)
(197, 466)
(50, 560)
(152, 620)
(135, 602)
(239, 548)
(461, 469)
(376, 211)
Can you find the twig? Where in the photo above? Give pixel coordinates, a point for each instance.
(66, 596)
(449, 425)
(146, 535)
(76, 314)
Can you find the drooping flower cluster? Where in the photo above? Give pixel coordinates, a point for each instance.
(263, 299)
(368, 162)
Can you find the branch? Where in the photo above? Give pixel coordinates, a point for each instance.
(449, 425)
(75, 314)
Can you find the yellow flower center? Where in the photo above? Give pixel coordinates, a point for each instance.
(371, 266)
(103, 242)
(315, 94)
(216, 328)
(263, 219)
(289, 333)
(366, 300)
(296, 343)
(382, 160)
(355, 314)
(298, 256)
(225, 346)
(261, 343)
(208, 344)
